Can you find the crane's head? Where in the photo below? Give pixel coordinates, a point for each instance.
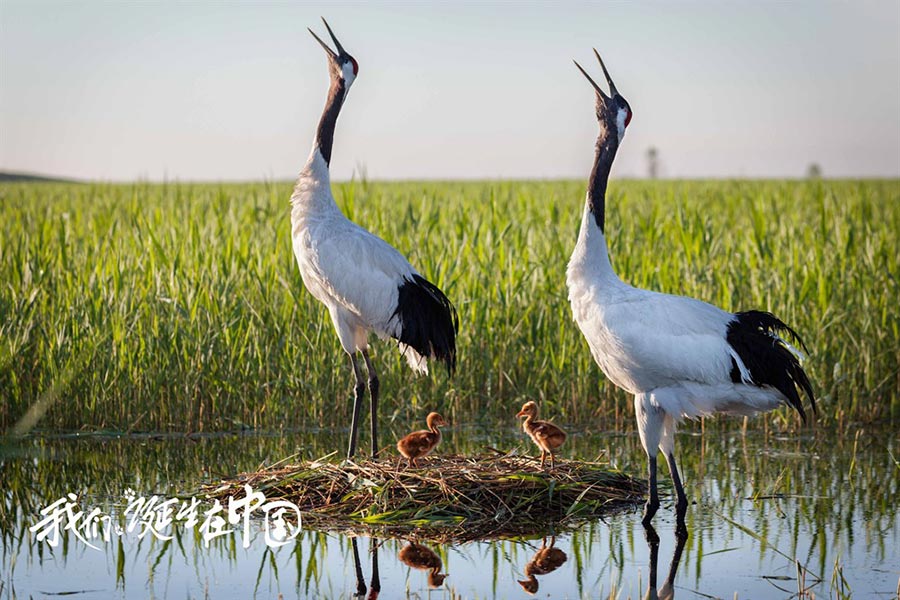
(529, 409)
(435, 420)
(341, 65)
(613, 110)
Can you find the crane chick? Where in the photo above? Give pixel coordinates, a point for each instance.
(419, 443)
(547, 436)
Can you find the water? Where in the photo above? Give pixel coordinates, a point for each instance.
(763, 504)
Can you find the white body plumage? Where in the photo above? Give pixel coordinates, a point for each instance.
(680, 357)
(671, 348)
(354, 273)
(364, 282)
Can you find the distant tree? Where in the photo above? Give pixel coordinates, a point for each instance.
(814, 171)
(652, 162)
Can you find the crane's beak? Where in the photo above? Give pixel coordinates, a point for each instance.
(328, 50)
(612, 86)
(521, 413)
(337, 44)
(600, 92)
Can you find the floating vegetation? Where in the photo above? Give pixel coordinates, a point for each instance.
(456, 498)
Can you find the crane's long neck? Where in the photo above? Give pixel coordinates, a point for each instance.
(591, 253)
(596, 195)
(325, 131)
(312, 192)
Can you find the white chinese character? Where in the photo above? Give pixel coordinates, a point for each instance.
(213, 525)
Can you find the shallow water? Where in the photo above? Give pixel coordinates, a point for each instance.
(763, 504)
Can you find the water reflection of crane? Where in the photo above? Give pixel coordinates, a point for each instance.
(375, 583)
(545, 560)
(422, 557)
(667, 590)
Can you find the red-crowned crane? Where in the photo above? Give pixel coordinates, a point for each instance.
(366, 284)
(680, 357)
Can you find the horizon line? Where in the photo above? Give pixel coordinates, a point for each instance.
(36, 177)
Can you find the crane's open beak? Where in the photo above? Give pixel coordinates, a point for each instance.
(600, 92)
(612, 87)
(337, 44)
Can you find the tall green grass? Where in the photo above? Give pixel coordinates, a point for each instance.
(179, 306)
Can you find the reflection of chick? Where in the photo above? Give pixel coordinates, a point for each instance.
(546, 435)
(545, 560)
(419, 443)
(422, 557)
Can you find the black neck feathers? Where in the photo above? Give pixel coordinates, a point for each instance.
(606, 153)
(325, 132)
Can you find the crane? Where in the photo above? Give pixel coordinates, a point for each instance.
(679, 357)
(365, 283)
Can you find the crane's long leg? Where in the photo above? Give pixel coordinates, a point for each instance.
(667, 446)
(653, 501)
(682, 503)
(358, 392)
(650, 424)
(374, 386)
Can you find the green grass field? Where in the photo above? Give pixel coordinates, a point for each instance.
(179, 306)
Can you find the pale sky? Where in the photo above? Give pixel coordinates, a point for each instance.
(233, 91)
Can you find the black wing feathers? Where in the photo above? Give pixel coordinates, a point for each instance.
(428, 320)
(754, 336)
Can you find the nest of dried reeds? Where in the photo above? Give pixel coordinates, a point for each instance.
(448, 498)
